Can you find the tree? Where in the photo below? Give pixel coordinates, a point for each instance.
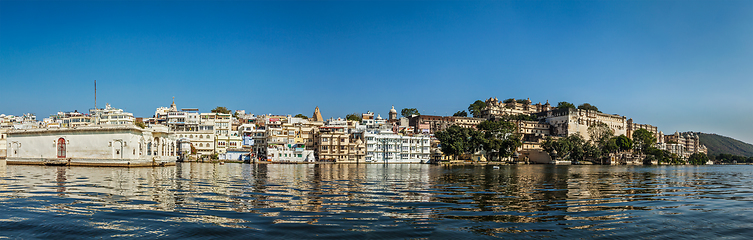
(301, 116)
(221, 110)
(476, 108)
(698, 159)
(140, 124)
(353, 117)
(407, 112)
(563, 105)
(460, 114)
(612, 145)
(643, 140)
(600, 133)
(509, 100)
(589, 107)
(624, 143)
(499, 138)
(456, 140)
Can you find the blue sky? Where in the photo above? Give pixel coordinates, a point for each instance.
(678, 65)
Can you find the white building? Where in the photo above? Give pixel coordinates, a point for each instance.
(120, 145)
(224, 137)
(290, 153)
(571, 121)
(111, 116)
(384, 146)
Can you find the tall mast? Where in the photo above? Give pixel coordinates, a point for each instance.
(95, 94)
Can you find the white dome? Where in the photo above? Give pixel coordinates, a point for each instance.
(393, 110)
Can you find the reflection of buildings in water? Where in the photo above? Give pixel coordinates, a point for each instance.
(60, 179)
(591, 187)
(516, 188)
(3, 175)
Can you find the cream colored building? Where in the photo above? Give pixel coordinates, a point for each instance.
(336, 144)
(113, 145)
(224, 137)
(632, 127)
(569, 121)
(496, 108)
(3, 142)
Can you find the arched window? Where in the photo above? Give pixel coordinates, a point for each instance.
(61, 148)
(201, 136)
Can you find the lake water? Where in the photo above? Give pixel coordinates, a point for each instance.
(349, 201)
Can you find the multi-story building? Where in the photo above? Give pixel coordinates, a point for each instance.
(72, 119)
(427, 124)
(293, 153)
(111, 116)
(224, 138)
(683, 144)
(338, 144)
(632, 127)
(384, 146)
(187, 124)
(576, 121)
(496, 109)
(3, 142)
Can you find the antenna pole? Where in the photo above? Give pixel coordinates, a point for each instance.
(95, 94)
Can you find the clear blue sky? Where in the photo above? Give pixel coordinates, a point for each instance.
(679, 65)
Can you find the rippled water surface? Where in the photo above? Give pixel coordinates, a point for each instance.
(330, 201)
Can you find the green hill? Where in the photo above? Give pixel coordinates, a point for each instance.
(720, 144)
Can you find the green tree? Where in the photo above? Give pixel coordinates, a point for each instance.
(407, 112)
(698, 159)
(460, 114)
(563, 105)
(499, 139)
(624, 143)
(301, 116)
(476, 108)
(456, 140)
(509, 100)
(612, 145)
(600, 133)
(140, 124)
(643, 140)
(589, 107)
(353, 117)
(570, 147)
(221, 110)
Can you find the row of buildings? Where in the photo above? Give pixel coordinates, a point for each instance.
(283, 138)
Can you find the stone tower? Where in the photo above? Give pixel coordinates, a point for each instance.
(393, 113)
(317, 115)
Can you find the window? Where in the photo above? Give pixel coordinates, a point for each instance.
(324, 147)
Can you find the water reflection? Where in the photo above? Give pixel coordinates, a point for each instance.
(199, 200)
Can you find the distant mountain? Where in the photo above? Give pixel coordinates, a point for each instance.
(720, 144)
